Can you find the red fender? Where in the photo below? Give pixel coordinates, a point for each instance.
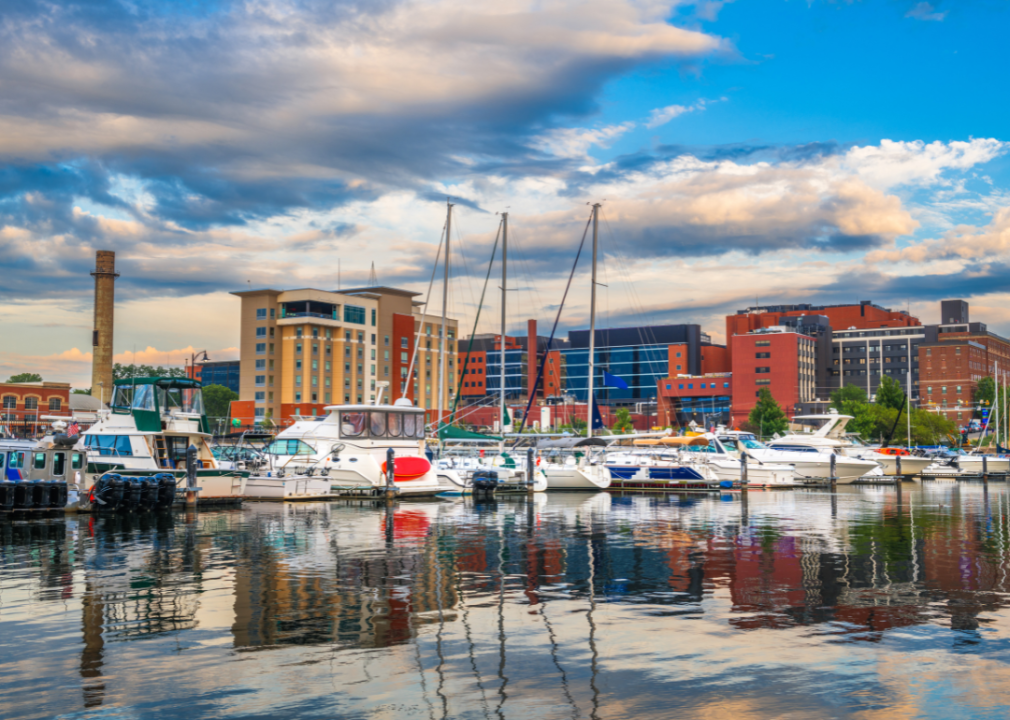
(408, 468)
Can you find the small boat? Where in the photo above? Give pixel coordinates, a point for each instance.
(722, 454)
(571, 464)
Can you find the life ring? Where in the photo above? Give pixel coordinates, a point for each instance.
(408, 468)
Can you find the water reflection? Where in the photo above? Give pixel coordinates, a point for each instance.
(762, 605)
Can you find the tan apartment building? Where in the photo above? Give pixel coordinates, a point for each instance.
(302, 350)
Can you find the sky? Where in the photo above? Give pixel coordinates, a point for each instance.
(744, 152)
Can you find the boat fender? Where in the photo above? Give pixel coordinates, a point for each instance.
(7, 488)
(166, 490)
(63, 440)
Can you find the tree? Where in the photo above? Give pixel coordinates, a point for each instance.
(767, 415)
(890, 394)
(217, 400)
(622, 421)
(985, 391)
(85, 391)
(120, 372)
(25, 378)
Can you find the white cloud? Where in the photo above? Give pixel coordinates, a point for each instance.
(925, 11)
(661, 116)
(575, 142)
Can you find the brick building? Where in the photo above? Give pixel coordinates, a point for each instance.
(705, 399)
(775, 358)
(27, 402)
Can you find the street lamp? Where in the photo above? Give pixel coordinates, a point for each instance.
(199, 355)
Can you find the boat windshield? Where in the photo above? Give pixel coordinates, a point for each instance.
(288, 447)
(381, 424)
(188, 400)
(750, 442)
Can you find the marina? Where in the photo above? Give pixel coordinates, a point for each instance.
(567, 605)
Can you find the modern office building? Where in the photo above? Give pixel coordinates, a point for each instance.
(302, 350)
(640, 356)
(226, 373)
(704, 399)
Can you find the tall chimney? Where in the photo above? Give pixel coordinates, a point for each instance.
(101, 338)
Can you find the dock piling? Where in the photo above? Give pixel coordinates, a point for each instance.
(531, 468)
(833, 478)
(390, 473)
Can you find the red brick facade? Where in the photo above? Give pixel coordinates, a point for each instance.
(27, 402)
(781, 362)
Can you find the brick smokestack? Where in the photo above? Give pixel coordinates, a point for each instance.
(101, 338)
(532, 362)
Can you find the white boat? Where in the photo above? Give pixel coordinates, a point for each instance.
(657, 465)
(831, 437)
(348, 447)
(723, 457)
(571, 464)
(149, 427)
(809, 463)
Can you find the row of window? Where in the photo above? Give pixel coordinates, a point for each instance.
(702, 386)
(15, 460)
(10, 402)
(943, 390)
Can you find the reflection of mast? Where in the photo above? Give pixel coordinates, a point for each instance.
(441, 628)
(469, 641)
(592, 631)
(501, 626)
(92, 656)
(557, 664)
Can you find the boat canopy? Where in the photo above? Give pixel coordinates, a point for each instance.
(451, 432)
(164, 382)
(574, 442)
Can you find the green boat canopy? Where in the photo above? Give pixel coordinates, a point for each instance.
(164, 382)
(451, 432)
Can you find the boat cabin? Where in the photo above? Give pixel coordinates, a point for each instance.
(28, 460)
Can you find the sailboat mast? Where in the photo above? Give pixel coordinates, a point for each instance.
(504, 299)
(443, 344)
(592, 319)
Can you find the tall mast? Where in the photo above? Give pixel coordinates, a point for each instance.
(908, 405)
(443, 344)
(592, 318)
(504, 297)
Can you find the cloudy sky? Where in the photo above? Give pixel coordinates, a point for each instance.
(771, 150)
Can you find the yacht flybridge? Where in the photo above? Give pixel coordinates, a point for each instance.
(831, 437)
(349, 445)
(148, 428)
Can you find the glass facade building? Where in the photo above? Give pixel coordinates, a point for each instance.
(221, 373)
(515, 374)
(640, 366)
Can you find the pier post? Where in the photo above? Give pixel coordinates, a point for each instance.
(191, 455)
(897, 472)
(985, 468)
(743, 470)
(390, 473)
(531, 468)
(833, 477)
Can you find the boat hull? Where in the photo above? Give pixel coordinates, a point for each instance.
(259, 487)
(570, 477)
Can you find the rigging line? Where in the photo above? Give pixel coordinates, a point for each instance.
(424, 315)
(470, 645)
(466, 275)
(501, 628)
(524, 267)
(459, 386)
(440, 668)
(624, 266)
(557, 319)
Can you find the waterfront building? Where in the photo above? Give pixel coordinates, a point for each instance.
(27, 402)
(640, 356)
(776, 358)
(225, 372)
(954, 356)
(480, 359)
(703, 399)
(302, 350)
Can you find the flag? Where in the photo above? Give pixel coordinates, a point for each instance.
(73, 429)
(597, 418)
(506, 419)
(614, 381)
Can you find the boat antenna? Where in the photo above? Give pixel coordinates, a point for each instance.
(592, 322)
(443, 341)
(373, 280)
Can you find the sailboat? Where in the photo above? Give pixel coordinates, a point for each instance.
(584, 470)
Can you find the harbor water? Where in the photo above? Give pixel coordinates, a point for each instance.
(866, 603)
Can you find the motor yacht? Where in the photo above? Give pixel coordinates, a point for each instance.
(809, 463)
(148, 428)
(656, 464)
(831, 437)
(723, 457)
(575, 464)
(348, 447)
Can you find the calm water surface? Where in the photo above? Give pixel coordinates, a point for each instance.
(868, 603)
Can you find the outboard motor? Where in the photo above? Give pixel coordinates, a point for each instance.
(148, 492)
(6, 495)
(107, 492)
(166, 491)
(56, 491)
(131, 493)
(24, 495)
(484, 482)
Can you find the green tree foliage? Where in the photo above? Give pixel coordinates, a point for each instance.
(120, 372)
(985, 391)
(622, 421)
(217, 400)
(890, 394)
(84, 391)
(767, 416)
(25, 378)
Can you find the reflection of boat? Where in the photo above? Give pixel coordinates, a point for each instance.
(348, 447)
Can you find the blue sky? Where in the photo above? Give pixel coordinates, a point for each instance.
(785, 150)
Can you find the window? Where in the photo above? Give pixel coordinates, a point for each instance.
(373, 317)
(943, 389)
(678, 355)
(261, 380)
(725, 384)
(10, 402)
(298, 348)
(272, 313)
(298, 364)
(929, 351)
(31, 403)
(261, 313)
(762, 343)
(298, 332)
(763, 382)
(55, 404)
(260, 412)
(929, 390)
(404, 342)
(315, 364)
(260, 396)
(403, 357)
(762, 370)
(261, 332)
(315, 336)
(298, 399)
(40, 461)
(762, 355)
(315, 349)
(261, 364)
(261, 348)
(354, 314)
(959, 388)
(298, 380)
